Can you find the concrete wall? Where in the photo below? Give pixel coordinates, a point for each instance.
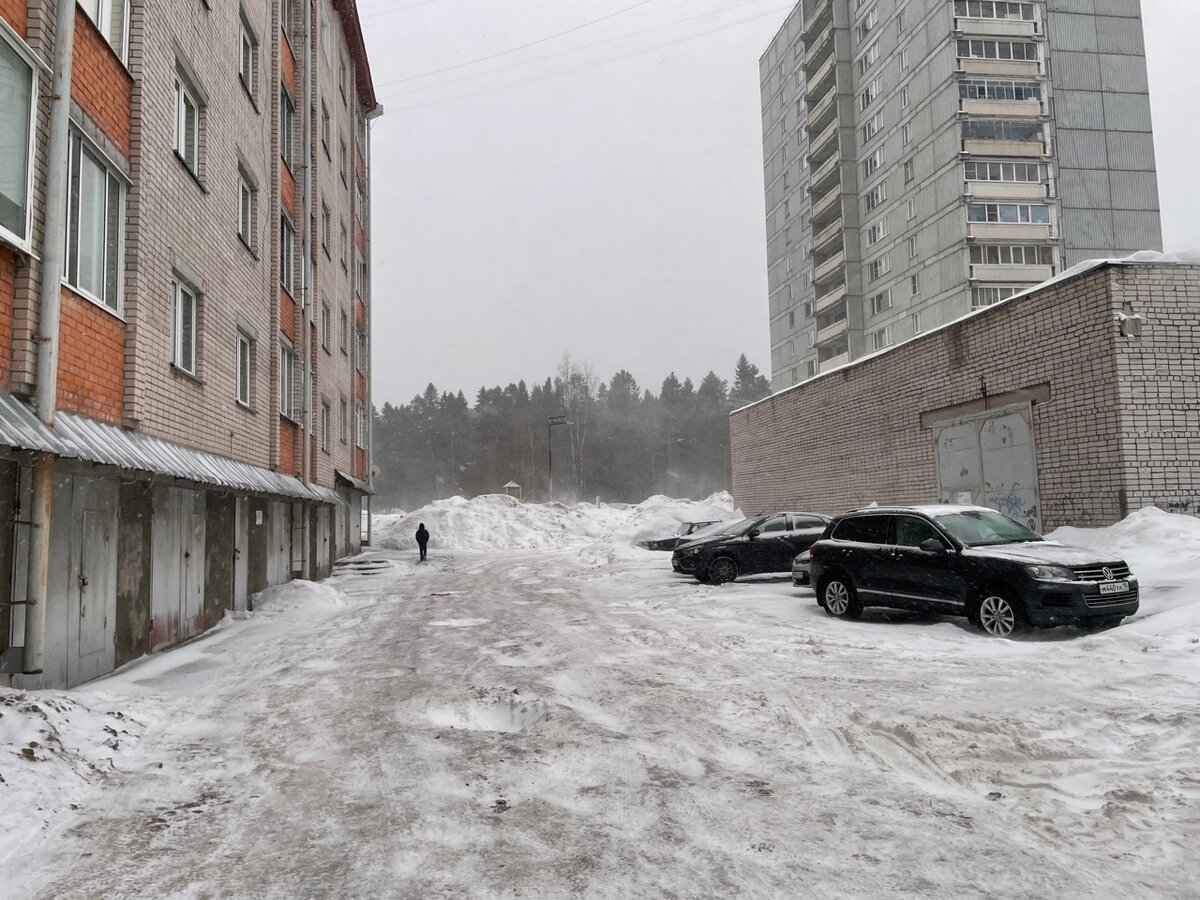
(1115, 421)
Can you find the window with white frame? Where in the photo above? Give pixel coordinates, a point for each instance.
(326, 227)
(18, 105)
(360, 425)
(989, 296)
(872, 126)
(811, 367)
(360, 273)
(287, 379)
(1012, 255)
(95, 246)
(246, 204)
(287, 127)
(1001, 130)
(912, 247)
(909, 173)
(344, 333)
(111, 18)
(877, 232)
(867, 25)
(287, 254)
(1009, 213)
(903, 59)
(915, 319)
(344, 161)
(326, 421)
(345, 246)
(1027, 173)
(325, 129)
(287, 15)
(249, 58)
(360, 357)
(904, 98)
(906, 134)
(868, 95)
(881, 338)
(869, 58)
(343, 422)
(810, 339)
(881, 302)
(874, 197)
(1024, 51)
(994, 9)
(914, 284)
(183, 330)
(877, 268)
(326, 325)
(912, 208)
(244, 362)
(187, 126)
(989, 89)
(342, 79)
(873, 163)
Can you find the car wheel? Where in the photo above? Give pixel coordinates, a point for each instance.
(1000, 617)
(722, 570)
(839, 598)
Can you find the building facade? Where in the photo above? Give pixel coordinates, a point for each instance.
(1000, 409)
(204, 410)
(928, 157)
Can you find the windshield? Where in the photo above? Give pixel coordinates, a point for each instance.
(714, 528)
(982, 528)
(737, 529)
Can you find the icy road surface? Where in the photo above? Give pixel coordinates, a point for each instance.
(569, 723)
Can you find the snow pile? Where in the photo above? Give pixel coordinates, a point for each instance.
(496, 522)
(300, 594)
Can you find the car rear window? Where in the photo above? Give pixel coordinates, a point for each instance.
(862, 530)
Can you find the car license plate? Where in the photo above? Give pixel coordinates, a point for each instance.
(1114, 587)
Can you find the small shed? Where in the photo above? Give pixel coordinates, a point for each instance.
(513, 489)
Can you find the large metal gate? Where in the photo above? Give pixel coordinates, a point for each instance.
(989, 459)
(177, 552)
(279, 542)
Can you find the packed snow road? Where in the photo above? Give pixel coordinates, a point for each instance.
(586, 723)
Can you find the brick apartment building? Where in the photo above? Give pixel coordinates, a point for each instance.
(184, 317)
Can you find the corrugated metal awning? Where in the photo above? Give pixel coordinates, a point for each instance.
(78, 437)
(357, 483)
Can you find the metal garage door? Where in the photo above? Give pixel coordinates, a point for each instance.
(989, 459)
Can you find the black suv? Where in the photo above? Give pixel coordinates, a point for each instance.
(966, 560)
(754, 546)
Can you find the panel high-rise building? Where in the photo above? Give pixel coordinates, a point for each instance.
(924, 158)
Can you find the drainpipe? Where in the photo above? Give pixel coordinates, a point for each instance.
(46, 390)
(306, 277)
(368, 473)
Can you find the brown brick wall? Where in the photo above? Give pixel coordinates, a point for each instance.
(287, 68)
(100, 84)
(287, 316)
(287, 190)
(8, 289)
(13, 12)
(91, 359)
(287, 447)
(856, 435)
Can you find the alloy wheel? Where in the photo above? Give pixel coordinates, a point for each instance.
(997, 616)
(722, 571)
(837, 598)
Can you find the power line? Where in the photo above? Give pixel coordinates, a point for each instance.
(596, 65)
(524, 62)
(542, 40)
(388, 12)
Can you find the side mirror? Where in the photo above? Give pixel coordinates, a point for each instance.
(932, 545)
(754, 532)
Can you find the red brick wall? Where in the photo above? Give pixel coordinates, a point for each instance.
(91, 359)
(287, 189)
(287, 447)
(287, 65)
(360, 463)
(8, 273)
(13, 12)
(360, 165)
(287, 315)
(99, 83)
(360, 237)
(360, 313)
(360, 386)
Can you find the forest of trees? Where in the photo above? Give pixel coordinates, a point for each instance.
(622, 444)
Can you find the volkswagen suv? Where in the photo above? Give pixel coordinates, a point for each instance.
(966, 560)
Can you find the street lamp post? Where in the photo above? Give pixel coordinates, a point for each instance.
(551, 421)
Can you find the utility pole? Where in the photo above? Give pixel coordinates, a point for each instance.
(551, 421)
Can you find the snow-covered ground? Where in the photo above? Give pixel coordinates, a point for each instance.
(578, 721)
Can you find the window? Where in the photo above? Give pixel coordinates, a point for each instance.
(909, 175)
(863, 530)
(912, 208)
(1012, 255)
(342, 79)
(360, 273)
(360, 204)
(912, 532)
(1018, 50)
(876, 196)
(18, 101)
(881, 338)
(344, 161)
(344, 335)
(95, 226)
(287, 253)
(344, 424)
(912, 247)
(989, 296)
(914, 284)
(867, 97)
(243, 369)
(325, 326)
(1001, 130)
(246, 204)
(871, 128)
(993, 9)
(326, 419)
(869, 58)
(906, 134)
(325, 130)
(903, 60)
(811, 368)
(287, 127)
(345, 246)
(808, 309)
(915, 318)
(997, 171)
(110, 17)
(1009, 213)
(999, 90)
(873, 163)
(810, 340)
(249, 58)
(287, 15)
(187, 126)
(287, 375)
(867, 25)
(900, 22)
(881, 302)
(360, 426)
(904, 98)
(877, 268)
(877, 232)
(183, 331)
(326, 227)
(360, 356)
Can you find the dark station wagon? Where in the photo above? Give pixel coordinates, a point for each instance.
(757, 546)
(966, 560)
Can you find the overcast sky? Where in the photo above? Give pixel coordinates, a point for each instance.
(599, 192)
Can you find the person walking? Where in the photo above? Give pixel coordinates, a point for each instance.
(422, 539)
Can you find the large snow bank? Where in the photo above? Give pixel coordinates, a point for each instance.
(495, 522)
(300, 594)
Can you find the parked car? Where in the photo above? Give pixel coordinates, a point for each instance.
(755, 546)
(688, 531)
(711, 532)
(966, 560)
(801, 569)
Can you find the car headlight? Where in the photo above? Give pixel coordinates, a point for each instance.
(1050, 573)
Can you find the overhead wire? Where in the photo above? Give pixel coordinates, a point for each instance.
(567, 52)
(388, 12)
(599, 64)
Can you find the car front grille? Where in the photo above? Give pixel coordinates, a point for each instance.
(1117, 572)
(1101, 601)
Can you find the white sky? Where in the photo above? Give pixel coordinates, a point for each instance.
(600, 193)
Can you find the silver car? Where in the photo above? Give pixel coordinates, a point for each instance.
(801, 572)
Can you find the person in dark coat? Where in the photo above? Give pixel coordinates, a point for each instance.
(422, 539)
